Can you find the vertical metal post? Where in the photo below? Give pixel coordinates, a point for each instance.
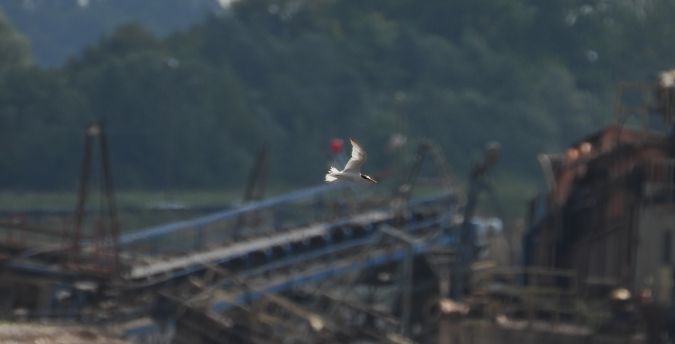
(467, 244)
(406, 306)
(113, 225)
(257, 178)
(407, 274)
(82, 194)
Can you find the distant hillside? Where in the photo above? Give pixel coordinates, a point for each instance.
(190, 109)
(58, 29)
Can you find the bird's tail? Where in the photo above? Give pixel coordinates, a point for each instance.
(330, 175)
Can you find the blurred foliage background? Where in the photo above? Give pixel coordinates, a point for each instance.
(191, 89)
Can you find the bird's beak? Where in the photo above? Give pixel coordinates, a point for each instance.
(371, 180)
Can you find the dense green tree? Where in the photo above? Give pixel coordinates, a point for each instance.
(61, 28)
(190, 109)
(40, 130)
(14, 48)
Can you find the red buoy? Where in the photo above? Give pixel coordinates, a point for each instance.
(336, 146)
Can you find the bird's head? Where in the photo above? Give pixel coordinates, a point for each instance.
(368, 178)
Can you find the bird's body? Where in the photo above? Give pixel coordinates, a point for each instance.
(335, 174)
(352, 170)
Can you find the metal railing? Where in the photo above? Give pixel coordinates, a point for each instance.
(659, 184)
(528, 293)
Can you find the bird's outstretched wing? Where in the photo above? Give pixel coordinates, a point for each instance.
(357, 160)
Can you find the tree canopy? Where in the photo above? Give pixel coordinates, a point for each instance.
(190, 109)
(14, 48)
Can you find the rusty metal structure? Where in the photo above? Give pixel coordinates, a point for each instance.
(608, 213)
(102, 255)
(80, 241)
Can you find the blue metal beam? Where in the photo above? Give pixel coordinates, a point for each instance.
(169, 228)
(330, 272)
(330, 249)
